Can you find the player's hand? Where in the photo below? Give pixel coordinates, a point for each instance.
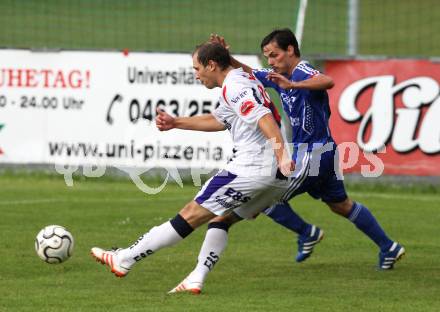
(280, 80)
(214, 38)
(164, 121)
(286, 165)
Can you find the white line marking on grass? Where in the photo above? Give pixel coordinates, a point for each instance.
(28, 201)
(416, 197)
(79, 200)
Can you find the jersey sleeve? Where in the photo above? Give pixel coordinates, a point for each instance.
(261, 74)
(246, 106)
(305, 71)
(219, 114)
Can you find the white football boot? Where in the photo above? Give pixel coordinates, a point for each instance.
(110, 258)
(187, 286)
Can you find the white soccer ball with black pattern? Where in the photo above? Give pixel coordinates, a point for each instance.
(54, 244)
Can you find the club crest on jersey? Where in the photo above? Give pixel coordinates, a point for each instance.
(246, 107)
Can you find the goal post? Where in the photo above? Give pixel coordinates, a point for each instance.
(300, 20)
(352, 27)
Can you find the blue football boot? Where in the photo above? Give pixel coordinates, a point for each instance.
(306, 243)
(388, 258)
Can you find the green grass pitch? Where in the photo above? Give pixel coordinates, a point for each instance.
(256, 273)
(386, 27)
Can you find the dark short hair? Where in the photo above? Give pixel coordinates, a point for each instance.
(213, 51)
(283, 37)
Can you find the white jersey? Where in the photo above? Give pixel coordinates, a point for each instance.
(249, 182)
(242, 104)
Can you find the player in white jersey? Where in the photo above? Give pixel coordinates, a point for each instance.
(249, 182)
(251, 169)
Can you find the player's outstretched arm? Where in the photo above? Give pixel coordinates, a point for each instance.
(235, 63)
(318, 82)
(206, 122)
(272, 132)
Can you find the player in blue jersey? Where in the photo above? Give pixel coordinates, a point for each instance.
(305, 101)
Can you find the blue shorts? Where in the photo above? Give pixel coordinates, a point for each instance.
(318, 177)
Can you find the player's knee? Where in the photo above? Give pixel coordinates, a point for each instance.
(342, 208)
(224, 222)
(195, 214)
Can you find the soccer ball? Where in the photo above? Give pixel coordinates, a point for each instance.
(54, 244)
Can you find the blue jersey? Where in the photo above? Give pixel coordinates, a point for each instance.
(308, 110)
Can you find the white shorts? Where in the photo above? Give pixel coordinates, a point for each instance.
(246, 196)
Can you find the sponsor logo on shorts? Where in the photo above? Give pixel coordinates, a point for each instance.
(236, 195)
(226, 204)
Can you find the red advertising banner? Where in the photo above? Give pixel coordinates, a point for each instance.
(391, 111)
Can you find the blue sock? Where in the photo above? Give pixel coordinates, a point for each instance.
(283, 214)
(367, 223)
